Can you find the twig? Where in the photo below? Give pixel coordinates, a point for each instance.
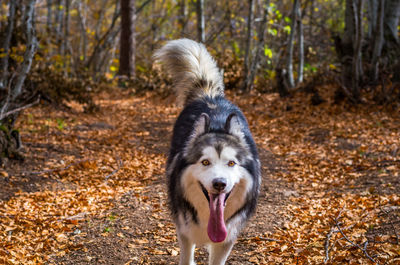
(120, 163)
(328, 238)
(329, 235)
(270, 239)
(8, 113)
(363, 249)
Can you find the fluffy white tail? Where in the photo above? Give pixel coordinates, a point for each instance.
(194, 71)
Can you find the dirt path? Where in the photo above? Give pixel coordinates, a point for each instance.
(92, 189)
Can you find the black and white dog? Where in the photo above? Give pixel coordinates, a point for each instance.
(213, 168)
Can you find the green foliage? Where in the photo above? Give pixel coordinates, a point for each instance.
(60, 124)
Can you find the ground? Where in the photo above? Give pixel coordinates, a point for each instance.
(91, 189)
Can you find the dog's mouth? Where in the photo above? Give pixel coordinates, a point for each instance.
(216, 228)
(205, 192)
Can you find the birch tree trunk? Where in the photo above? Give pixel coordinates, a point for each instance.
(31, 46)
(201, 34)
(249, 81)
(357, 39)
(10, 107)
(289, 58)
(300, 36)
(67, 61)
(128, 39)
(82, 24)
(250, 18)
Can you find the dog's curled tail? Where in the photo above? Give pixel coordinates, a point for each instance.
(194, 71)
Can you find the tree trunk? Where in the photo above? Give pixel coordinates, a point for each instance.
(250, 19)
(201, 33)
(372, 16)
(249, 81)
(128, 39)
(183, 12)
(31, 45)
(82, 24)
(377, 42)
(60, 26)
(10, 108)
(347, 52)
(392, 14)
(300, 36)
(67, 61)
(6, 46)
(357, 39)
(289, 58)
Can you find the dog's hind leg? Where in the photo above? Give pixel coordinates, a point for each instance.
(187, 250)
(219, 253)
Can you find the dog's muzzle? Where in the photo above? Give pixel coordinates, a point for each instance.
(208, 197)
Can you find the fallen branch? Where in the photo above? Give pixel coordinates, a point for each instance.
(329, 235)
(363, 249)
(120, 163)
(8, 113)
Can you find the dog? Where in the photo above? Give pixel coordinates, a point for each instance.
(213, 169)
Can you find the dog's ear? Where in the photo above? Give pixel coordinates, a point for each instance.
(233, 126)
(202, 125)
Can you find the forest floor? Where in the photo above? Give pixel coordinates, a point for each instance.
(91, 189)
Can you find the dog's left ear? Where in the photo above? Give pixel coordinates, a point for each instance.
(233, 126)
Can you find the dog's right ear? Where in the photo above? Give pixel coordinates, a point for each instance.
(202, 125)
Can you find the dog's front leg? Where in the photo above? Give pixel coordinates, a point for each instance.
(187, 250)
(218, 253)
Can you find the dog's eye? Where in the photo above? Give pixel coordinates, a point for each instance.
(231, 163)
(205, 162)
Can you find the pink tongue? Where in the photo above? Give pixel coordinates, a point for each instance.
(216, 226)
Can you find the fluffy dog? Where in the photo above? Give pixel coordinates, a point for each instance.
(213, 168)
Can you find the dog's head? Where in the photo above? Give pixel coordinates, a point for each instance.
(218, 160)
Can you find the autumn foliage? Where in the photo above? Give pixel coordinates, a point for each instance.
(93, 187)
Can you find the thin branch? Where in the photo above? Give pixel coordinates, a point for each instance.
(363, 249)
(8, 98)
(8, 113)
(120, 164)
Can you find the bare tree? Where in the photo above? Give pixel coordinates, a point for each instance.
(289, 59)
(391, 22)
(300, 36)
(82, 24)
(201, 32)
(10, 102)
(59, 19)
(183, 12)
(249, 81)
(6, 45)
(66, 36)
(250, 22)
(378, 40)
(127, 40)
(357, 39)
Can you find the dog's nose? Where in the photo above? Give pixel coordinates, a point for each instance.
(219, 184)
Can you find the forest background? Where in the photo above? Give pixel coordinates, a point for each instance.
(61, 56)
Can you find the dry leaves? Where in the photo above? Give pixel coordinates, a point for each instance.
(343, 164)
